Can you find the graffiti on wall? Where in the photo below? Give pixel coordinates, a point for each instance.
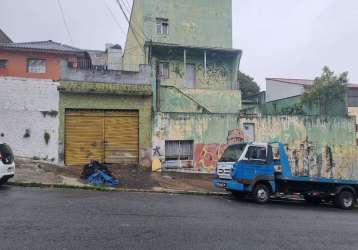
(215, 72)
(321, 161)
(206, 156)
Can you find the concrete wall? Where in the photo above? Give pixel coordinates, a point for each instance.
(199, 100)
(276, 90)
(353, 111)
(29, 105)
(143, 76)
(195, 23)
(316, 145)
(112, 102)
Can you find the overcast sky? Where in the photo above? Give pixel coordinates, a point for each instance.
(279, 38)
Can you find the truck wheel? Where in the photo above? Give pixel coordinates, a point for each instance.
(345, 200)
(261, 193)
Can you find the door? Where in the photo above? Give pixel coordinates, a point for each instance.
(84, 137)
(190, 75)
(249, 132)
(121, 137)
(256, 163)
(105, 136)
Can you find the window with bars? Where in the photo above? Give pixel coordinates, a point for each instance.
(3, 64)
(179, 150)
(36, 66)
(162, 26)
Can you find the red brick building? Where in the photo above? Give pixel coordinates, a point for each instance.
(37, 59)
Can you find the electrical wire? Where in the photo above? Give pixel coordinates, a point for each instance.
(64, 21)
(114, 17)
(130, 26)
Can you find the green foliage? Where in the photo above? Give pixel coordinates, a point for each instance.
(248, 86)
(296, 109)
(328, 89)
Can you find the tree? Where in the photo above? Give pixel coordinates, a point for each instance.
(327, 92)
(248, 86)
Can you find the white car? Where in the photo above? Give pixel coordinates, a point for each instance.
(7, 163)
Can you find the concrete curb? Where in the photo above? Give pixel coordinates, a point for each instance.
(108, 189)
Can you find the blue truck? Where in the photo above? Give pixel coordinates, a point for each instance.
(262, 170)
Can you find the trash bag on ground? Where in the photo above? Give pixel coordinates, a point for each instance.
(100, 178)
(93, 167)
(98, 174)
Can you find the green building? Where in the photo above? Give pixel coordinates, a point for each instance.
(189, 46)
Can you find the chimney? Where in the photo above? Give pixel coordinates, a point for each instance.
(114, 56)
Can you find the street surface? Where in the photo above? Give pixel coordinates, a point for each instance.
(33, 218)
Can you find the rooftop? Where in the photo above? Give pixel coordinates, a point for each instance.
(4, 38)
(304, 82)
(46, 46)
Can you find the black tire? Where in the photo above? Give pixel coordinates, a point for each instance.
(345, 200)
(238, 195)
(3, 181)
(261, 193)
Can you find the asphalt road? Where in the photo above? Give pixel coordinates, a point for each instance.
(33, 218)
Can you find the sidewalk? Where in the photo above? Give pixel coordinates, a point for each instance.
(31, 172)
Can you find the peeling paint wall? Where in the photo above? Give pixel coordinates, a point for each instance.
(191, 23)
(28, 111)
(323, 146)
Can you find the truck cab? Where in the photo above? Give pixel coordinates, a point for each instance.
(263, 169)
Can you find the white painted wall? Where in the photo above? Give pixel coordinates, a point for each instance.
(21, 103)
(276, 90)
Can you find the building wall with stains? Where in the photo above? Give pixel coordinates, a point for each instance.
(323, 146)
(173, 99)
(93, 101)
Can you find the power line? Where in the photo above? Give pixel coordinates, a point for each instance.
(138, 28)
(114, 17)
(64, 21)
(130, 26)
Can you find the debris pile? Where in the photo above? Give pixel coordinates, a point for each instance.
(97, 174)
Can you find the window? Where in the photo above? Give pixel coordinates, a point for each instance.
(178, 150)
(233, 153)
(256, 153)
(3, 64)
(36, 66)
(164, 70)
(162, 26)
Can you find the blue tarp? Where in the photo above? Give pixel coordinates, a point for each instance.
(100, 178)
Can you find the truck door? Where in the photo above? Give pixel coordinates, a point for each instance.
(257, 163)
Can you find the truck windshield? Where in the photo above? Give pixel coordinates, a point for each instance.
(233, 153)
